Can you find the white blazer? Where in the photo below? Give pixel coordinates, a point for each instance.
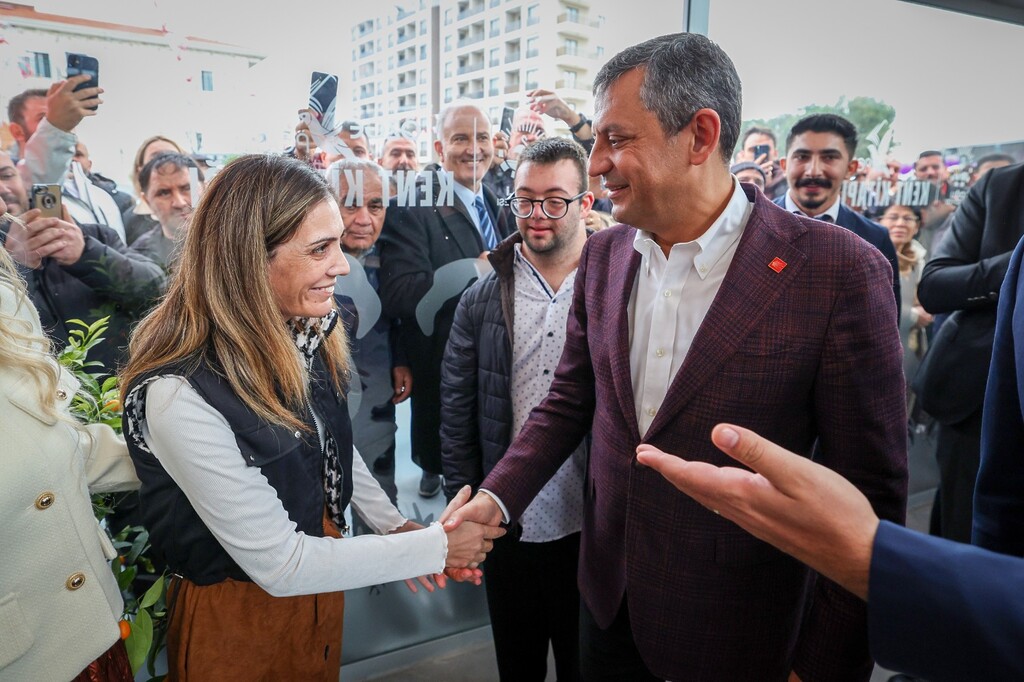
(59, 602)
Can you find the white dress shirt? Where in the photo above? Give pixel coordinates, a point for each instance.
(197, 448)
(832, 211)
(670, 298)
(537, 341)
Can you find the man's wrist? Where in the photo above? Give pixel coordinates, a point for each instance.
(579, 124)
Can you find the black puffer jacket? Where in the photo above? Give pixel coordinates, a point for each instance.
(476, 395)
(476, 399)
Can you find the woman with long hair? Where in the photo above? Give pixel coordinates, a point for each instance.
(236, 418)
(59, 601)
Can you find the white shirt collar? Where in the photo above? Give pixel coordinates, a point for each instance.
(715, 241)
(468, 197)
(832, 211)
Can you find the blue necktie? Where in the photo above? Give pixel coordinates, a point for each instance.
(487, 230)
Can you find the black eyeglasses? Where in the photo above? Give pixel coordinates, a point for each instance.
(553, 207)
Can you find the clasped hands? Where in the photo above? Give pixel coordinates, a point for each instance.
(472, 527)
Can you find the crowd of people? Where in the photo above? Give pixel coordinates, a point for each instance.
(561, 312)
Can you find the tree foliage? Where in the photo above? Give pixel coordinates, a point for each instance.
(864, 112)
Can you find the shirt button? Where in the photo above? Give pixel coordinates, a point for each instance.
(660, 353)
(651, 411)
(668, 294)
(74, 581)
(703, 269)
(45, 500)
(551, 333)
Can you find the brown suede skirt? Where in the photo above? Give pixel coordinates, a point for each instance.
(234, 630)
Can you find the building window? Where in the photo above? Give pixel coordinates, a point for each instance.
(207, 81)
(572, 46)
(531, 47)
(35, 64)
(495, 27)
(573, 14)
(532, 15)
(531, 79)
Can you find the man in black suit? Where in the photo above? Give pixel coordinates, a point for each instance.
(963, 277)
(819, 157)
(461, 223)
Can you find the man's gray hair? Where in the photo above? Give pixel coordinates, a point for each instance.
(683, 72)
(447, 110)
(367, 166)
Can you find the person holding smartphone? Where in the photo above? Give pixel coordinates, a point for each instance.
(759, 146)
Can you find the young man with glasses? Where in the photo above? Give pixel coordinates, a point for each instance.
(504, 346)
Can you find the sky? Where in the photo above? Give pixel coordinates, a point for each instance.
(951, 78)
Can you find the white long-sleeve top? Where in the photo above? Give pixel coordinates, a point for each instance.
(197, 448)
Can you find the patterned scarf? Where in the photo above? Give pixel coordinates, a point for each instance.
(309, 333)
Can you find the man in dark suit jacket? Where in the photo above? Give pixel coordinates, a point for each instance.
(926, 593)
(717, 306)
(819, 157)
(461, 224)
(963, 277)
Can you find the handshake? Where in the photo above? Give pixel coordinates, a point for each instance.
(472, 527)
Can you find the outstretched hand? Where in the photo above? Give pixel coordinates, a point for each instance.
(472, 528)
(804, 509)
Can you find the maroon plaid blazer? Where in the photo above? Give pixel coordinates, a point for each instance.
(807, 353)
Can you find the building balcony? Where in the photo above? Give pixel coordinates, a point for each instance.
(564, 84)
(469, 40)
(470, 11)
(494, 63)
(532, 52)
(514, 57)
(512, 88)
(406, 37)
(469, 68)
(494, 92)
(530, 21)
(406, 85)
(513, 25)
(568, 51)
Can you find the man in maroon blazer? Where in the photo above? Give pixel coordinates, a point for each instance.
(707, 304)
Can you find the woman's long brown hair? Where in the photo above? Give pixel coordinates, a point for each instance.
(220, 304)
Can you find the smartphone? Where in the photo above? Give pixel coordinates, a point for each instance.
(47, 199)
(79, 64)
(323, 97)
(507, 114)
(762, 150)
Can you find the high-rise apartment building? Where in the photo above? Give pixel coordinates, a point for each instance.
(408, 63)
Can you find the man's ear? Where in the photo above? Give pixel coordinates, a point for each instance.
(707, 130)
(18, 133)
(782, 163)
(439, 148)
(851, 170)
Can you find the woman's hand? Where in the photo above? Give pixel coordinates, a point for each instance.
(438, 578)
(468, 541)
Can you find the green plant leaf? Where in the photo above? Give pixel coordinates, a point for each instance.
(152, 594)
(139, 641)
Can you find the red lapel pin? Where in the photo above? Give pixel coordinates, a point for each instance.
(777, 264)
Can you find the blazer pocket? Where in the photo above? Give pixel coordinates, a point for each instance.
(17, 639)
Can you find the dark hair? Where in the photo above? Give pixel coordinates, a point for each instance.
(929, 152)
(547, 151)
(826, 123)
(16, 107)
(759, 130)
(880, 211)
(682, 73)
(177, 161)
(993, 157)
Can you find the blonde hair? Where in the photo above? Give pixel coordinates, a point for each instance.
(140, 155)
(220, 307)
(23, 348)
